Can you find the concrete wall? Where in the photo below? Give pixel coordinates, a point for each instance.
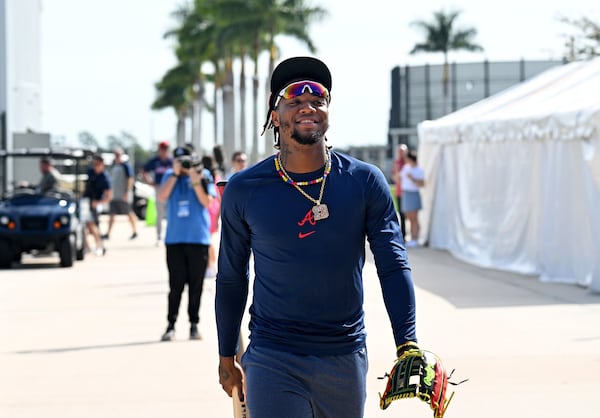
(24, 62)
(418, 94)
(20, 73)
(20, 66)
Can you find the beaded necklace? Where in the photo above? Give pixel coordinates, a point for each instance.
(320, 210)
(286, 177)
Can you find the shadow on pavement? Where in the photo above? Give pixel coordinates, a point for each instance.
(468, 286)
(91, 347)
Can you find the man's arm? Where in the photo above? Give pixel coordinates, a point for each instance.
(385, 239)
(130, 181)
(202, 195)
(146, 169)
(169, 180)
(417, 176)
(106, 197)
(55, 178)
(233, 272)
(147, 177)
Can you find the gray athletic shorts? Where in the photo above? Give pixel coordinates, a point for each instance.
(119, 207)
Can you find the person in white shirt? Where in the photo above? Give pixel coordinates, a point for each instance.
(413, 178)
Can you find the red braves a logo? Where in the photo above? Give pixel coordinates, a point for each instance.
(309, 217)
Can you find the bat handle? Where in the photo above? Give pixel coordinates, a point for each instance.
(239, 407)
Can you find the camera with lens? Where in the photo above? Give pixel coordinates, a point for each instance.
(189, 161)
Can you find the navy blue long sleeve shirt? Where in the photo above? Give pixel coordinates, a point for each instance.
(308, 284)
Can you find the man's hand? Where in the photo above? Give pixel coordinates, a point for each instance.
(195, 176)
(177, 167)
(230, 374)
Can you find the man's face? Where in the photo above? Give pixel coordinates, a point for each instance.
(240, 162)
(163, 153)
(98, 166)
(44, 167)
(305, 118)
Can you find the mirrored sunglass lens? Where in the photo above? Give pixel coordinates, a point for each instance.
(298, 89)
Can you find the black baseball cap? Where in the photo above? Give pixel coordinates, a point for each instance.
(296, 69)
(181, 151)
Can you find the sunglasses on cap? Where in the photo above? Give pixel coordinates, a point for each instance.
(298, 88)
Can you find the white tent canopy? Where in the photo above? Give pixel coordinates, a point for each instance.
(513, 181)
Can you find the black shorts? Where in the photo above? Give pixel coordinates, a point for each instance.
(119, 207)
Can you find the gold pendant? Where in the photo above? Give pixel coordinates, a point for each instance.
(320, 211)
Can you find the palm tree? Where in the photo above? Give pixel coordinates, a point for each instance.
(173, 92)
(441, 35)
(285, 17)
(585, 43)
(240, 31)
(87, 140)
(194, 37)
(242, 23)
(225, 29)
(256, 23)
(209, 40)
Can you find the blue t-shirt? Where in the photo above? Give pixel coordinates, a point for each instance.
(158, 167)
(308, 289)
(188, 222)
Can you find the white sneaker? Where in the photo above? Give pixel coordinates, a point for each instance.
(412, 244)
(211, 272)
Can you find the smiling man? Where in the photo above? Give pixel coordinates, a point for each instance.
(305, 214)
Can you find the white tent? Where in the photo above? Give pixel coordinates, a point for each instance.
(513, 181)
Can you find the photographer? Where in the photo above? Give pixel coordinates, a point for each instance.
(188, 191)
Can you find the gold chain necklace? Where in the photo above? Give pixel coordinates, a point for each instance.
(320, 210)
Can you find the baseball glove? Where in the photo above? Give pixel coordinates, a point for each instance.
(418, 373)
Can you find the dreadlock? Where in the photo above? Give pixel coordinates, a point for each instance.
(269, 124)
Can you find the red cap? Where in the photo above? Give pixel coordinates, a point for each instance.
(163, 144)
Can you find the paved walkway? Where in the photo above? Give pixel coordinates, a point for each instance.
(83, 342)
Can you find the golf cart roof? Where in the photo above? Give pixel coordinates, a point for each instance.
(56, 153)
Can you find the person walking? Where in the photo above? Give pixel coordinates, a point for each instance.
(99, 193)
(153, 172)
(399, 162)
(305, 215)
(123, 180)
(188, 194)
(413, 178)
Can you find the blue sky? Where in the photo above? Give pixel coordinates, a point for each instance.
(100, 59)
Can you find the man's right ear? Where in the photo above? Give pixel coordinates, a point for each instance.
(275, 118)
